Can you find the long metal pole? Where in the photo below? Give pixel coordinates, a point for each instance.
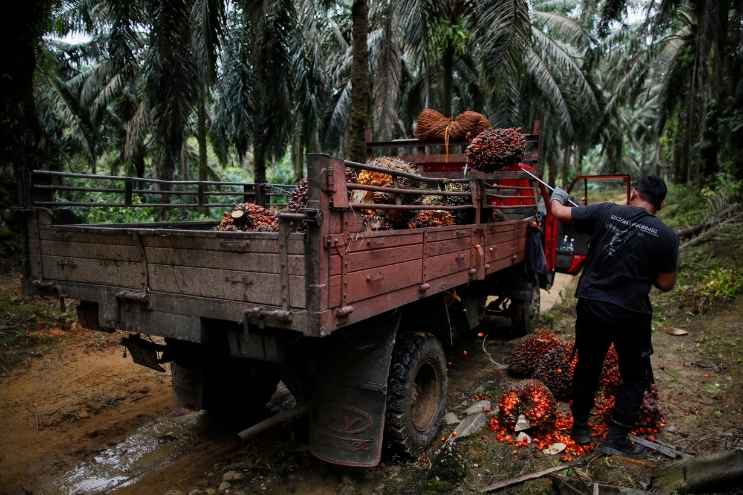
(572, 203)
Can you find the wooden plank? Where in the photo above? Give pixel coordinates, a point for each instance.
(92, 250)
(236, 244)
(334, 290)
(500, 250)
(385, 240)
(260, 288)
(444, 247)
(162, 324)
(495, 238)
(249, 262)
(369, 283)
(381, 257)
(503, 263)
(435, 234)
(108, 272)
(385, 302)
(445, 264)
(108, 236)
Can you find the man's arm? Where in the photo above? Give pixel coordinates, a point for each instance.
(560, 211)
(665, 281)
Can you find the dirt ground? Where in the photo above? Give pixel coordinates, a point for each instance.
(80, 417)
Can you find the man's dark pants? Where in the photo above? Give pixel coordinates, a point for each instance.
(599, 325)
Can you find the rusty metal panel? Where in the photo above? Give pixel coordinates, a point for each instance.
(444, 247)
(260, 288)
(107, 272)
(91, 250)
(445, 264)
(369, 283)
(249, 262)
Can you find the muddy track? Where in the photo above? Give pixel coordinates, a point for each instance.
(82, 418)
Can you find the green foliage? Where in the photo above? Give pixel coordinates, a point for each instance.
(719, 284)
(447, 34)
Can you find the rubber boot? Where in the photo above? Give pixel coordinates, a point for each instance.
(581, 433)
(618, 442)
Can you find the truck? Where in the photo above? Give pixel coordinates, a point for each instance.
(354, 322)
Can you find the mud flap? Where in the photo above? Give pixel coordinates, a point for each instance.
(350, 399)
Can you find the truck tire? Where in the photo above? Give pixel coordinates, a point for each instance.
(525, 313)
(233, 390)
(416, 399)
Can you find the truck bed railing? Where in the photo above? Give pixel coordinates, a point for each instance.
(47, 187)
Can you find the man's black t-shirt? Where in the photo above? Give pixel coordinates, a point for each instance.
(629, 248)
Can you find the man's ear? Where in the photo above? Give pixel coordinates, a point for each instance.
(633, 195)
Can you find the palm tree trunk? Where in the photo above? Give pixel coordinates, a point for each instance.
(203, 165)
(447, 64)
(359, 81)
(568, 157)
(259, 163)
(297, 155)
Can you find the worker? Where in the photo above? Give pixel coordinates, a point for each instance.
(630, 251)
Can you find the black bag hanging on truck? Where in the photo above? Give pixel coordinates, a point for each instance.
(535, 260)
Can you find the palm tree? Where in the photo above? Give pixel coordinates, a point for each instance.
(359, 81)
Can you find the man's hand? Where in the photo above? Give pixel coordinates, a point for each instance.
(559, 195)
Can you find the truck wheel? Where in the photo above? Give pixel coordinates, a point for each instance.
(524, 314)
(234, 390)
(416, 398)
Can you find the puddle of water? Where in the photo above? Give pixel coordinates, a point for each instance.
(150, 447)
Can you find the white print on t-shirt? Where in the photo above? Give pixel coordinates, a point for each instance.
(621, 236)
(648, 230)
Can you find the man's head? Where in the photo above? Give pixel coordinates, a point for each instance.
(650, 189)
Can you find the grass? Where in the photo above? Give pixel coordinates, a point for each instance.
(21, 322)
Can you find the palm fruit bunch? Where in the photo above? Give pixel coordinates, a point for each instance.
(556, 369)
(248, 217)
(299, 197)
(431, 218)
(390, 218)
(531, 398)
(610, 377)
(492, 149)
(462, 217)
(372, 221)
(526, 354)
(651, 418)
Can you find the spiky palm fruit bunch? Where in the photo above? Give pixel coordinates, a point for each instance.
(526, 354)
(531, 398)
(610, 377)
(651, 418)
(248, 217)
(492, 149)
(373, 222)
(392, 163)
(383, 219)
(431, 218)
(299, 197)
(461, 217)
(556, 369)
